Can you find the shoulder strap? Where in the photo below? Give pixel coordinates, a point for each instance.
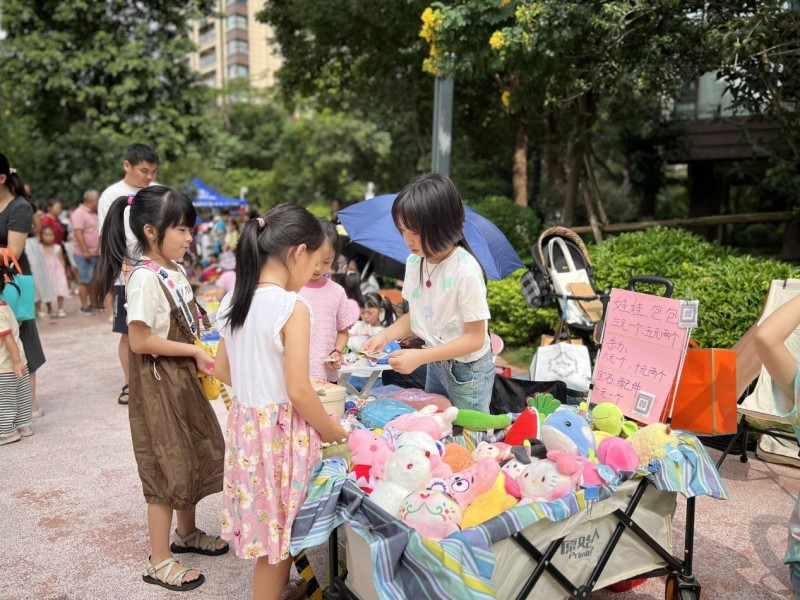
(171, 287)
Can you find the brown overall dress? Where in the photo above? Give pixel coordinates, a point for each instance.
(177, 439)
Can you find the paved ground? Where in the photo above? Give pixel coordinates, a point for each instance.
(72, 515)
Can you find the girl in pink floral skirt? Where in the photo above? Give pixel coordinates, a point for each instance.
(277, 421)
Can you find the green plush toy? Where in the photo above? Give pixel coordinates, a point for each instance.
(479, 421)
(608, 417)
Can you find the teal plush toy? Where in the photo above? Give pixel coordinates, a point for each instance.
(479, 421)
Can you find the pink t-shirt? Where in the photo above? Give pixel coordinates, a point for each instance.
(330, 314)
(86, 221)
(226, 281)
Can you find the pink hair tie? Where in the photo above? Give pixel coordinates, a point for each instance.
(261, 223)
(130, 199)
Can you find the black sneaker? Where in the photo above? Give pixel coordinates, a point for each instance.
(87, 311)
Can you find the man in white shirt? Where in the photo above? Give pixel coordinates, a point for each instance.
(141, 168)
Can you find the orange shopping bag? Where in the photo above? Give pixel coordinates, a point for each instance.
(706, 398)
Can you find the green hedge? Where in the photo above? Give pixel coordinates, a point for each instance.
(512, 319)
(731, 288)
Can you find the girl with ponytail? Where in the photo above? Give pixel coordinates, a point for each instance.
(176, 436)
(277, 421)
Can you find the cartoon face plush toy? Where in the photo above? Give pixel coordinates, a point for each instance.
(608, 417)
(470, 483)
(370, 449)
(496, 450)
(432, 513)
(408, 470)
(548, 480)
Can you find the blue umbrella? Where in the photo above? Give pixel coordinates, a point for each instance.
(370, 224)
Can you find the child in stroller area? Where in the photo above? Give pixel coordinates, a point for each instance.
(785, 373)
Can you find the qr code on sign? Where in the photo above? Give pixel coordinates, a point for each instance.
(643, 404)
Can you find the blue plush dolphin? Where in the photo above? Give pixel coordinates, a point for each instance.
(569, 432)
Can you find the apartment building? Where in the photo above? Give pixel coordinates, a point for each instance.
(232, 45)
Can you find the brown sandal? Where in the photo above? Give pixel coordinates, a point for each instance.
(169, 580)
(194, 543)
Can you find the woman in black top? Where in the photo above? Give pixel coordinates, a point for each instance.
(16, 222)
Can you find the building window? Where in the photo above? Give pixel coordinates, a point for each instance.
(238, 72)
(211, 79)
(207, 34)
(208, 59)
(238, 47)
(237, 22)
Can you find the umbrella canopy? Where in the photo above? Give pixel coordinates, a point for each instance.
(208, 197)
(370, 224)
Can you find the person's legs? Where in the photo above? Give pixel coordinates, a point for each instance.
(159, 524)
(120, 325)
(469, 385)
(34, 403)
(84, 278)
(269, 580)
(434, 378)
(8, 403)
(24, 410)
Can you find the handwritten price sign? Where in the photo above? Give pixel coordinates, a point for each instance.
(642, 347)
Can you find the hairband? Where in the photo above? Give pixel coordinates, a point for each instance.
(130, 199)
(11, 170)
(261, 223)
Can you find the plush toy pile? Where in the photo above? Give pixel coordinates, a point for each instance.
(411, 471)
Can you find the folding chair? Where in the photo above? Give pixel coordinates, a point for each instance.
(759, 404)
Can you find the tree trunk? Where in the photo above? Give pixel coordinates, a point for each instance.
(575, 160)
(520, 169)
(555, 164)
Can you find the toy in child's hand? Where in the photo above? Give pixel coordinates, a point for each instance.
(480, 421)
(608, 417)
(489, 504)
(432, 513)
(569, 432)
(408, 470)
(473, 481)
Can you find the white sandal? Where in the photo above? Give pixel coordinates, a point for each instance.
(168, 579)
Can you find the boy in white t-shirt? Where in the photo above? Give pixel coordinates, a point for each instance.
(141, 168)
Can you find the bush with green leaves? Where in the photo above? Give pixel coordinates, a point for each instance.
(520, 224)
(731, 288)
(512, 319)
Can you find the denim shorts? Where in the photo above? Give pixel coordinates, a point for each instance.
(86, 266)
(467, 385)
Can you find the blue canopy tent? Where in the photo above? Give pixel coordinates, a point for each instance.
(208, 197)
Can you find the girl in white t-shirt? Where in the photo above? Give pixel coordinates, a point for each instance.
(445, 288)
(276, 422)
(176, 436)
